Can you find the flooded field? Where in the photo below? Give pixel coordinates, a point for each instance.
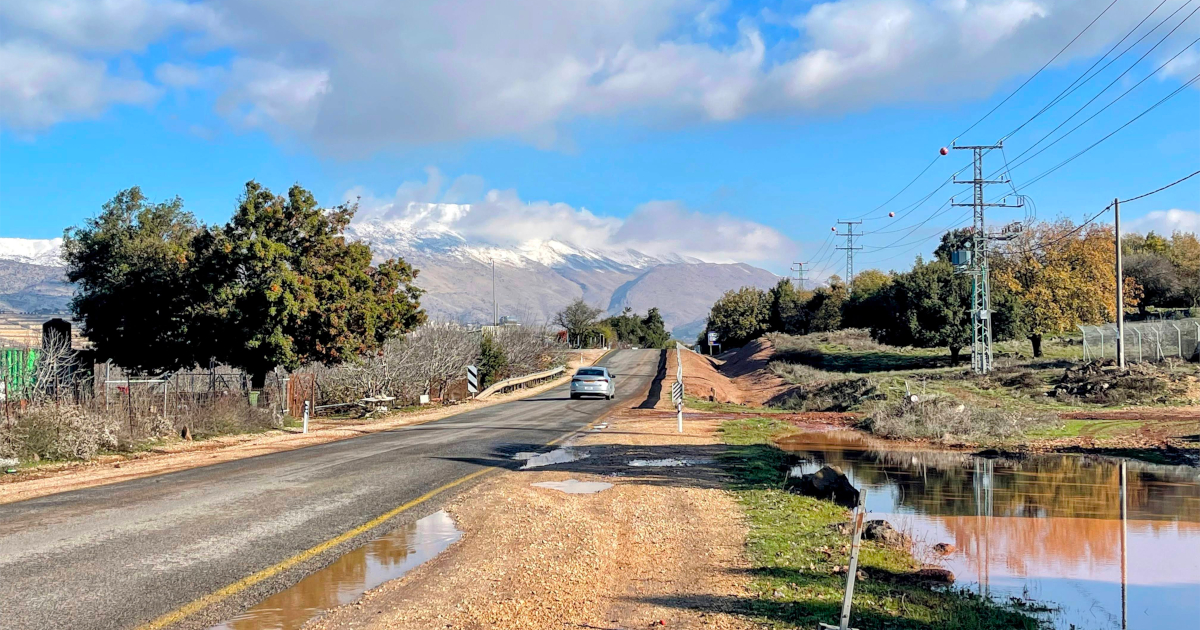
(1045, 529)
(380, 560)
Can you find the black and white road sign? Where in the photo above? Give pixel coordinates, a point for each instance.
(677, 392)
(472, 379)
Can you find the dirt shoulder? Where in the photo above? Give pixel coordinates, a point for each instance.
(663, 544)
(178, 455)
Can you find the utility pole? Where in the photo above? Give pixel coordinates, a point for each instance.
(495, 311)
(798, 267)
(849, 247)
(1120, 290)
(981, 299)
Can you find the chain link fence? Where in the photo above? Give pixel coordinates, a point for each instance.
(1144, 341)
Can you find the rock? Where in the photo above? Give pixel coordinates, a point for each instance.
(186, 433)
(944, 549)
(883, 532)
(935, 574)
(828, 483)
(841, 528)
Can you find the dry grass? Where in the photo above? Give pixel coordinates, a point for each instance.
(950, 421)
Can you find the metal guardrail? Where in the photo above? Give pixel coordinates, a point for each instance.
(519, 380)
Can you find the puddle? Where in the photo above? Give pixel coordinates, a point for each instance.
(380, 560)
(574, 486)
(562, 455)
(670, 462)
(1046, 528)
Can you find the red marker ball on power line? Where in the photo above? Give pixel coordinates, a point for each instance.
(891, 214)
(833, 229)
(944, 151)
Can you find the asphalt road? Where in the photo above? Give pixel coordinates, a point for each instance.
(121, 555)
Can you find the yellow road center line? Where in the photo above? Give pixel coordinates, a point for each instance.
(191, 608)
(181, 613)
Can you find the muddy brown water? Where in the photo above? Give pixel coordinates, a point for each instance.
(347, 578)
(1045, 529)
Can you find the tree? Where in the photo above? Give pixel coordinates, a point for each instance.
(654, 333)
(927, 307)
(789, 312)
(577, 318)
(285, 288)
(492, 360)
(132, 265)
(740, 316)
(1062, 276)
(863, 305)
(825, 307)
(276, 286)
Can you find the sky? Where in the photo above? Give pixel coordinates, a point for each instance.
(717, 129)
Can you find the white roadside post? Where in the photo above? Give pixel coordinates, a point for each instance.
(677, 386)
(472, 380)
(306, 416)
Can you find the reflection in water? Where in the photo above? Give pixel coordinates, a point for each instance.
(1047, 528)
(380, 560)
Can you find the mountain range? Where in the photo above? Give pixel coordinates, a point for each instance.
(533, 279)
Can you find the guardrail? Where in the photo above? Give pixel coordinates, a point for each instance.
(518, 381)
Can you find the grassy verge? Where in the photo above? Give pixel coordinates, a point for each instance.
(793, 551)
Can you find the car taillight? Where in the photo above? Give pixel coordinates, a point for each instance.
(601, 380)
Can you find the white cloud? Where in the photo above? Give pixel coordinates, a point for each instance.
(104, 25)
(357, 77)
(1167, 222)
(501, 218)
(41, 87)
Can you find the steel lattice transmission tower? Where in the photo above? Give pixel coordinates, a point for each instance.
(977, 261)
(849, 247)
(798, 267)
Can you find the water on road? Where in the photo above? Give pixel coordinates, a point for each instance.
(1045, 528)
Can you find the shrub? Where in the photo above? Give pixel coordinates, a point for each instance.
(58, 432)
(948, 420)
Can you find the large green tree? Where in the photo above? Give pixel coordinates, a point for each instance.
(279, 285)
(577, 318)
(740, 316)
(285, 287)
(927, 307)
(132, 266)
(789, 308)
(631, 329)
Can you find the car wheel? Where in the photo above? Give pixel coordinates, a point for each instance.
(574, 396)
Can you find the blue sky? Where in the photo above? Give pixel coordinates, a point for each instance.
(729, 131)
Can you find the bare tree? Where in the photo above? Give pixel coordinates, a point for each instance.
(576, 318)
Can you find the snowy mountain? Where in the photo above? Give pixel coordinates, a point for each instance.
(32, 251)
(534, 277)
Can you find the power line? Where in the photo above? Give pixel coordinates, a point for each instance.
(1158, 190)
(1110, 134)
(1044, 66)
(1098, 94)
(1076, 84)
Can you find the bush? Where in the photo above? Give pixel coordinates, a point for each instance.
(948, 420)
(58, 432)
(839, 395)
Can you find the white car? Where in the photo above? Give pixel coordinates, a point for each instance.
(593, 381)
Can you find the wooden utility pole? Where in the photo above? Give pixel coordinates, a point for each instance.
(1120, 288)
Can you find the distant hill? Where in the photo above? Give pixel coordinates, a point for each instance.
(33, 288)
(685, 292)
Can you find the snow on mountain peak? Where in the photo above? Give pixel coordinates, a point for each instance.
(33, 251)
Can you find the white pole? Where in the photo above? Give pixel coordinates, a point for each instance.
(860, 512)
(306, 416)
(1124, 545)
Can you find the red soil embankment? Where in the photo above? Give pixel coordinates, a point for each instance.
(738, 376)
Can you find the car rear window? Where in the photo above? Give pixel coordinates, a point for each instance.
(590, 373)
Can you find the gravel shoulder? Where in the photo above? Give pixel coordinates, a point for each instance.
(663, 544)
(176, 455)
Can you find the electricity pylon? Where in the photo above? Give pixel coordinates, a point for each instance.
(798, 267)
(977, 265)
(849, 247)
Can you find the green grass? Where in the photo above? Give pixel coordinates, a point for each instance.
(699, 404)
(793, 550)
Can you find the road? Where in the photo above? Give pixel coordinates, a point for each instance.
(121, 555)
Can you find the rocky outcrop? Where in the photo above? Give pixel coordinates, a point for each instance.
(883, 533)
(829, 483)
